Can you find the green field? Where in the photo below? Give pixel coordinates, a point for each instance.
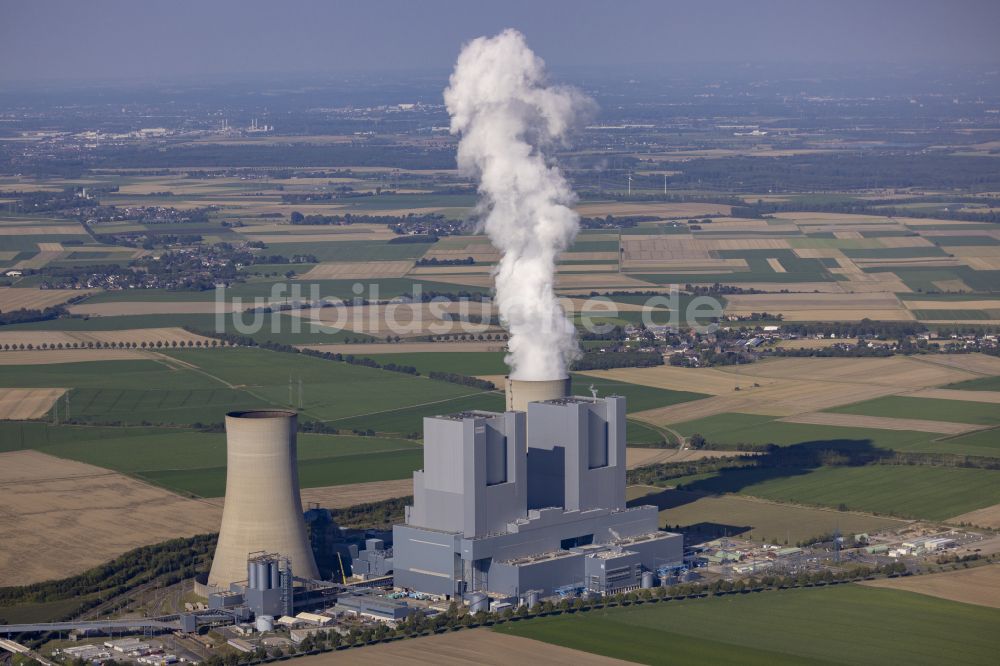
(764, 522)
(194, 462)
(956, 315)
(226, 379)
(463, 363)
(637, 398)
(409, 420)
(845, 624)
(731, 429)
(982, 384)
(932, 493)
(374, 289)
(903, 407)
(275, 327)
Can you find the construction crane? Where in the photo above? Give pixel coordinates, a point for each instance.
(343, 576)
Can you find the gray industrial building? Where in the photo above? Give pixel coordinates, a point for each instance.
(528, 503)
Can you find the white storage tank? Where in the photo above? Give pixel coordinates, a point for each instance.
(265, 623)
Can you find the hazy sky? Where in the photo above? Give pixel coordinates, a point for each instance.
(155, 39)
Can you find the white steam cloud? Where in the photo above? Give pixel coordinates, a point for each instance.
(507, 116)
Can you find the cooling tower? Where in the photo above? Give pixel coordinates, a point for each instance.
(521, 392)
(263, 510)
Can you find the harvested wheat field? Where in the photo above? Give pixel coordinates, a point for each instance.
(988, 516)
(18, 404)
(336, 497)
(40, 260)
(785, 398)
(781, 389)
(351, 270)
(979, 585)
(18, 298)
(992, 397)
(825, 307)
(882, 423)
(475, 646)
(61, 517)
(167, 337)
(976, 364)
(42, 230)
(49, 356)
(698, 380)
(901, 372)
(775, 265)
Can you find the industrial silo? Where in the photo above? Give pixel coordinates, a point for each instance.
(263, 510)
(522, 391)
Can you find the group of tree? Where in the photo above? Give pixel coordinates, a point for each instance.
(608, 360)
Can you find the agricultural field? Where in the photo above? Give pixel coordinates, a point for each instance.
(93, 513)
(178, 387)
(193, 463)
(979, 586)
(901, 407)
(923, 492)
(480, 646)
(752, 518)
(784, 627)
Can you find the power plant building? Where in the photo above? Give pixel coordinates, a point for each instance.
(527, 503)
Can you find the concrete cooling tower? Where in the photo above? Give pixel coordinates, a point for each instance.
(521, 392)
(263, 510)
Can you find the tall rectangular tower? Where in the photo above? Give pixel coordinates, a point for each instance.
(576, 453)
(474, 476)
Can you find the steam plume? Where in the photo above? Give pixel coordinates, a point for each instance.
(507, 116)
